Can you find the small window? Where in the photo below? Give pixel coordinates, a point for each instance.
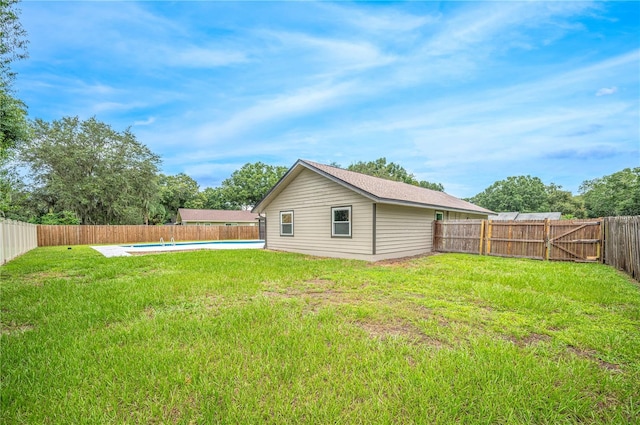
(439, 215)
(286, 223)
(341, 221)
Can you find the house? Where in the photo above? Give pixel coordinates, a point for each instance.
(327, 211)
(516, 216)
(195, 217)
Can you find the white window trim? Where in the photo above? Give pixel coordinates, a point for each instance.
(285, 213)
(441, 213)
(333, 222)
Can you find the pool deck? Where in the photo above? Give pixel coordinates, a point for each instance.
(112, 251)
(125, 251)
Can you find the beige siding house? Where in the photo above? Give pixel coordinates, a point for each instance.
(199, 217)
(321, 210)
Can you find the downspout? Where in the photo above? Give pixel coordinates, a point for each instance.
(263, 217)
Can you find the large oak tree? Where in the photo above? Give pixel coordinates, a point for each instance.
(515, 193)
(613, 195)
(391, 171)
(13, 46)
(86, 167)
(249, 184)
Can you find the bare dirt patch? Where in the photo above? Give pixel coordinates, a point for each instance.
(15, 329)
(529, 340)
(592, 355)
(150, 312)
(315, 299)
(320, 281)
(40, 278)
(395, 329)
(404, 262)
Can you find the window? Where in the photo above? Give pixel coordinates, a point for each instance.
(286, 223)
(341, 221)
(439, 215)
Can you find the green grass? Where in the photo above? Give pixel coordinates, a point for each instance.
(264, 337)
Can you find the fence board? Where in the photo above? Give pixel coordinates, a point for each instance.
(16, 238)
(563, 240)
(517, 239)
(458, 236)
(622, 244)
(56, 235)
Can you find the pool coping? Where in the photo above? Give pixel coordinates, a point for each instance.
(126, 251)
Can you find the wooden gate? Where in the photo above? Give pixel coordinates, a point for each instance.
(563, 240)
(570, 240)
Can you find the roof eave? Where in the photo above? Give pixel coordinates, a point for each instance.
(281, 184)
(430, 206)
(387, 200)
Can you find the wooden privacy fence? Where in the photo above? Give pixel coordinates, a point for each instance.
(16, 238)
(97, 235)
(622, 244)
(565, 240)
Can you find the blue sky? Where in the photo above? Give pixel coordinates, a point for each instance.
(460, 93)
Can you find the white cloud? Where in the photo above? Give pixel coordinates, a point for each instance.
(330, 53)
(378, 20)
(491, 26)
(201, 57)
(276, 108)
(148, 121)
(605, 91)
(102, 107)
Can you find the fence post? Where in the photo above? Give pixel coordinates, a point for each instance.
(482, 224)
(603, 239)
(547, 239)
(489, 231)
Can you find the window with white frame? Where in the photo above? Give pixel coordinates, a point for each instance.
(286, 223)
(341, 221)
(439, 215)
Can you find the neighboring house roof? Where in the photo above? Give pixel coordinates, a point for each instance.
(375, 188)
(187, 214)
(505, 216)
(516, 216)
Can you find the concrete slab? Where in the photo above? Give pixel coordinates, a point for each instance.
(112, 251)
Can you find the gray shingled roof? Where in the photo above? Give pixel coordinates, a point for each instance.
(382, 190)
(187, 214)
(511, 216)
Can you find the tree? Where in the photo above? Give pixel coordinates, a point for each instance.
(14, 128)
(13, 115)
(613, 195)
(380, 168)
(391, 171)
(176, 192)
(516, 193)
(563, 201)
(211, 199)
(13, 42)
(87, 168)
(64, 217)
(433, 186)
(248, 185)
(13, 196)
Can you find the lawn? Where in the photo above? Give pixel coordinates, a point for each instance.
(264, 337)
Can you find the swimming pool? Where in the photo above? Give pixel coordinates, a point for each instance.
(127, 250)
(183, 244)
